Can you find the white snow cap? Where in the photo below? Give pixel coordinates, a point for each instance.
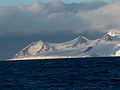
(114, 33)
(118, 53)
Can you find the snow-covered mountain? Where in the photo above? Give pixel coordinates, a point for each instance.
(106, 46)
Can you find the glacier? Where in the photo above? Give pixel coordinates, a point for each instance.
(80, 47)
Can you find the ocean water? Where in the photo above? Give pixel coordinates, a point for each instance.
(61, 74)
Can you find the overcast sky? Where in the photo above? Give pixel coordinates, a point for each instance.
(24, 17)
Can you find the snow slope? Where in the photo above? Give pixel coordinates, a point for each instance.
(106, 46)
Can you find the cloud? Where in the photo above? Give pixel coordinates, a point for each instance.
(33, 7)
(50, 17)
(104, 18)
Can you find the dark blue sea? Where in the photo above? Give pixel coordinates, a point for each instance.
(61, 74)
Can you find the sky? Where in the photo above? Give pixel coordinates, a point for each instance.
(25, 17)
(25, 21)
(18, 2)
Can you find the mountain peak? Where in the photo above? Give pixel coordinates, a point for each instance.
(113, 33)
(81, 39)
(108, 45)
